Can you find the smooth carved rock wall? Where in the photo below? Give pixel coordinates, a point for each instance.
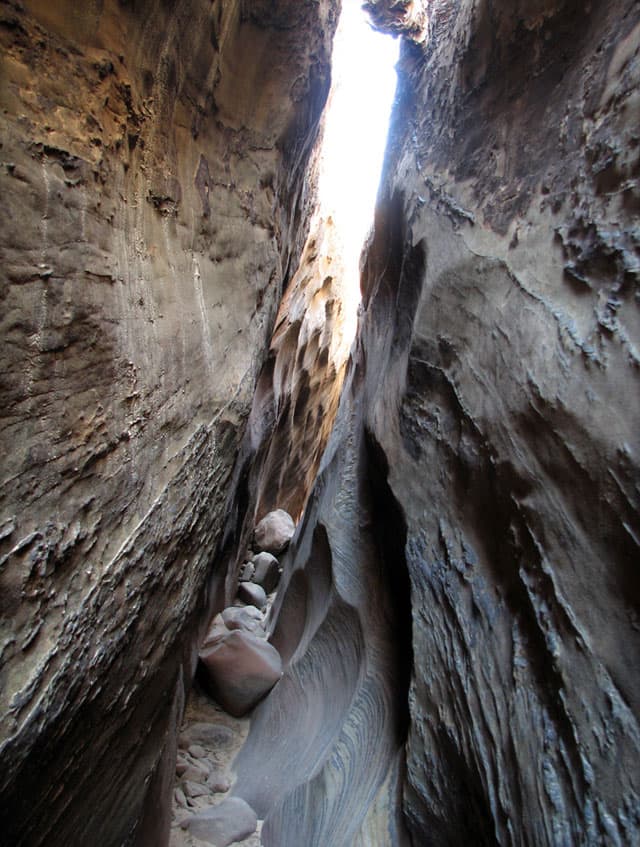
(484, 463)
(157, 184)
(323, 760)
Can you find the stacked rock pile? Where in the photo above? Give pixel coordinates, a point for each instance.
(241, 668)
(203, 813)
(241, 665)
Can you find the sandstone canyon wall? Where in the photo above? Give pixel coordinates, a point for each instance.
(458, 613)
(157, 184)
(466, 576)
(507, 246)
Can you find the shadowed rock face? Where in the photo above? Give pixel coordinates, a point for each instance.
(508, 418)
(157, 182)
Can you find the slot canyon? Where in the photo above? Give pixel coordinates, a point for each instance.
(440, 647)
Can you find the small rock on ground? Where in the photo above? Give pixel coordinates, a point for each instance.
(221, 825)
(194, 789)
(196, 751)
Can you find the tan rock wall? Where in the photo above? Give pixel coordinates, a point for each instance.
(155, 199)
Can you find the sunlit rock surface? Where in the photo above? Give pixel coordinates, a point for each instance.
(157, 188)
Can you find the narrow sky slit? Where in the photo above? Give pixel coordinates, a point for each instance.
(357, 121)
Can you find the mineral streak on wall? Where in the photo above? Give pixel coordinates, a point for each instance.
(157, 179)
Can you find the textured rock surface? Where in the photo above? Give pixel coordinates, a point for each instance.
(299, 387)
(158, 197)
(464, 587)
(508, 417)
(484, 467)
(297, 394)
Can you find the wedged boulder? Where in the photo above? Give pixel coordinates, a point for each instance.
(217, 631)
(221, 825)
(274, 532)
(242, 669)
(252, 594)
(266, 571)
(243, 617)
(246, 572)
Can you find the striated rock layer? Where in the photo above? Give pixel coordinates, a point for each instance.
(507, 244)
(155, 171)
(482, 480)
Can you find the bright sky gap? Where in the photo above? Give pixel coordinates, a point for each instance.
(356, 126)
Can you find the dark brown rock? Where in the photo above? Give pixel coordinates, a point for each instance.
(252, 594)
(267, 571)
(241, 671)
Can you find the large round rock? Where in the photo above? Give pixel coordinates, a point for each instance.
(266, 571)
(252, 594)
(242, 669)
(221, 825)
(274, 532)
(248, 618)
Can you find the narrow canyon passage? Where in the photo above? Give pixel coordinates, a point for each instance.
(440, 646)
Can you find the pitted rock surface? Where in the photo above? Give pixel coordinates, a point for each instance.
(157, 191)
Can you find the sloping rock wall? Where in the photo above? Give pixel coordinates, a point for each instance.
(484, 463)
(508, 417)
(157, 184)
